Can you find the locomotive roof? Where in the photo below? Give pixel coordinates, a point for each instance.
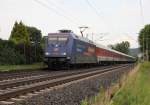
(58, 34)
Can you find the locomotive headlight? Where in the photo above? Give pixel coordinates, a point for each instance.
(64, 53)
(47, 53)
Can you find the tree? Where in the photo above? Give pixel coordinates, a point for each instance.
(34, 34)
(35, 43)
(43, 41)
(20, 37)
(121, 47)
(144, 40)
(27, 40)
(19, 34)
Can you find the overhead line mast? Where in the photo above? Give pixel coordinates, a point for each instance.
(94, 9)
(145, 42)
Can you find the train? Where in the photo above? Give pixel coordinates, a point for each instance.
(68, 49)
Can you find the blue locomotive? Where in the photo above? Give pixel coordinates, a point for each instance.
(66, 48)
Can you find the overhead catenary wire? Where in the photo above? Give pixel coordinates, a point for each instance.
(69, 17)
(77, 20)
(93, 8)
(56, 12)
(96, 11)
(130, 36)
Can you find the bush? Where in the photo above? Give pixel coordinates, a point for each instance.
(8, 53)
(11, 53)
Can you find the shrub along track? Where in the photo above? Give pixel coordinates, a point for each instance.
(23, 86)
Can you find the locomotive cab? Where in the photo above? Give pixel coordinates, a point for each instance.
(56, 48)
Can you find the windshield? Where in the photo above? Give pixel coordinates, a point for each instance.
(57, 39)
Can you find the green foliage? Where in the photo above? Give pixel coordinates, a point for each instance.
(43, 42)
(84, 102)
(121, 47)
(35, 48)
(8, 53)
(144, 38)
(36, 53)
(23, 46)
(19, 34)
(34, 34)
(27, 42)
(136, 91)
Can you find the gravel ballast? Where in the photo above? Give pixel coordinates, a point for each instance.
(70, 93)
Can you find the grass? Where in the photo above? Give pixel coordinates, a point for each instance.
(21, 67)
(132, 89)
(94, 99)
(136, 90)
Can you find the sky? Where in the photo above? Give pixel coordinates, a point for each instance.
(109, 21)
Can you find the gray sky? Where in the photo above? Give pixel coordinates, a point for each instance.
(110, 21)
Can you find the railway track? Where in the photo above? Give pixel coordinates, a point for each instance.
(15, 88)
(22, 74)
(6, 76)
(38, 78)
(17, 75)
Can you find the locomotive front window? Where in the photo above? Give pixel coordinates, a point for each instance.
(53, 39)
(62, 39)
(57, 39)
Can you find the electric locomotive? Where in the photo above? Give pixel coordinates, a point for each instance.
(66, 48)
